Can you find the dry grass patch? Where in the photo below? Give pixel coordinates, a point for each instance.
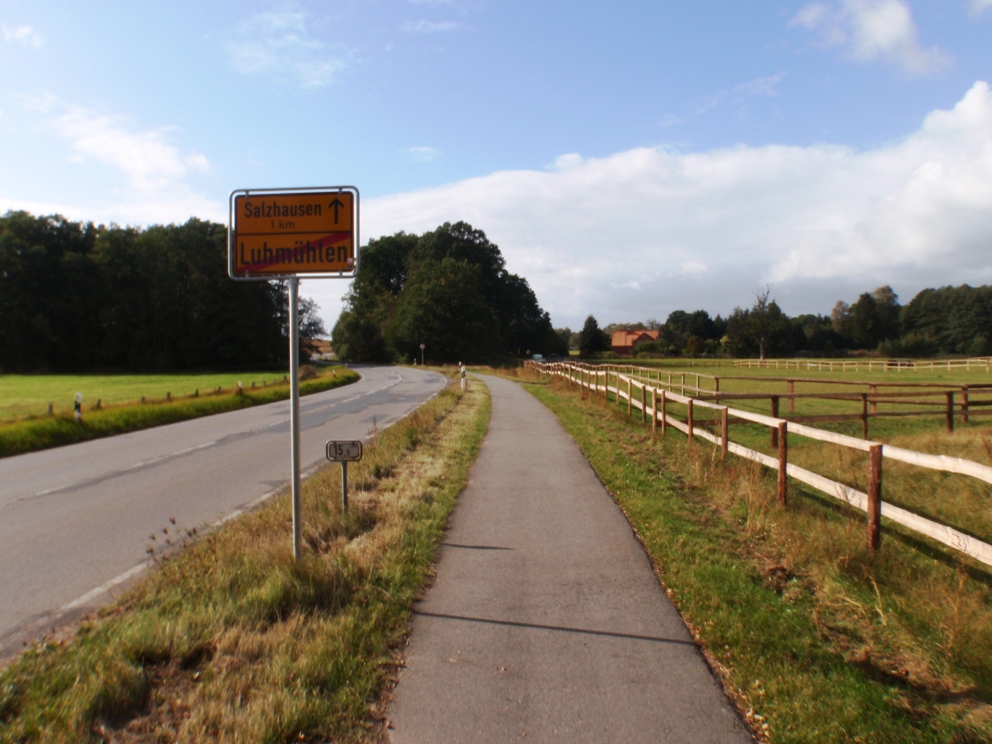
(232, 640)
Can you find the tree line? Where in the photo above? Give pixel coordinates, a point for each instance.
(78, 297)
(447, 289)
(944, 321)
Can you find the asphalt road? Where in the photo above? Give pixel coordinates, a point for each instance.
(75, 521)
(546, 622)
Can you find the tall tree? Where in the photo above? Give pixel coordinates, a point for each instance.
(497, 312)
(75, 297)
(762, 329)
(591, 338)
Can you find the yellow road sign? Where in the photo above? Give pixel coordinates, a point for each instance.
(287, 233)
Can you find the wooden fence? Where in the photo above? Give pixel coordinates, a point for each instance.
(651, 399)
(949, 401)
(856, 365)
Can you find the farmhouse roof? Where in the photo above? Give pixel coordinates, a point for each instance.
(629, 338)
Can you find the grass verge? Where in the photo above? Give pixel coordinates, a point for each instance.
(39, 433)
(24, 396)
(231, 640)
(817, 639)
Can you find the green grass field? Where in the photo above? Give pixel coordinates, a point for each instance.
(41, 431)
(22, 396)
(733, 380)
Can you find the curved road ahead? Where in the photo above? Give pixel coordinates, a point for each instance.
(75, 521)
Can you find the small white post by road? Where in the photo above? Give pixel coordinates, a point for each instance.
(462, 370)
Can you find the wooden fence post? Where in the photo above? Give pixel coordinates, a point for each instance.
(654, 410)
(664, 412)
(964, 404)
(630, 395)
(716, 389)
(950, 413)
(774, 431)
(864, 415)
(783, 459)
(724, 431)
(875, 497)
(791, 386)
(644, 403)
(692, 436)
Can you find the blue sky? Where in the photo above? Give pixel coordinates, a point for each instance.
(629, 158)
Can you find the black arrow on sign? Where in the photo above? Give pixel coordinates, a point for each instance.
(337, 204)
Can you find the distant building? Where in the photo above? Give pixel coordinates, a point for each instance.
(623, 342)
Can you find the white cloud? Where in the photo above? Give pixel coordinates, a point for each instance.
(23, 35)
(872, 28)
(148, 159)
(155, 171)
(421, 154)
(765, 87)
(430, 27)
(643, 232)
(279, 44)
(977, 6)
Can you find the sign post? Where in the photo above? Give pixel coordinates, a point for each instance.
(422, 347)
(282, 234)
(344, 452)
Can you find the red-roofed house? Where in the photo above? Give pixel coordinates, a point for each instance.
(623, 342)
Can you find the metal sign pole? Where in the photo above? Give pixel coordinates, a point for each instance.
(294, 407)
(344, 487)
(279, 234)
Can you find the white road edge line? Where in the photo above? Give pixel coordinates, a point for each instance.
(104, 588)
(135, 570)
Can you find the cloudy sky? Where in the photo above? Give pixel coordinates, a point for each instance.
(629, 158)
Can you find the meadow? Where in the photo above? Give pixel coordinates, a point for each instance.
(23, 396)
(123, 411)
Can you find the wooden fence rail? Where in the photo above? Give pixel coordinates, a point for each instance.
(637, 393)
(954, 400)
(886, 365)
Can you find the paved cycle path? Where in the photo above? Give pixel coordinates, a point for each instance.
(546, 621)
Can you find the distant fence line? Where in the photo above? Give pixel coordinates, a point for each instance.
(938, 399)
(856, 365)
(651, 398)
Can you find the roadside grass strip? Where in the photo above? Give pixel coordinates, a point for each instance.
(816, 638)
(231, 640)
(37, 433)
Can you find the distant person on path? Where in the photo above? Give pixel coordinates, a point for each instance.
(462, 369)
(77, 406)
